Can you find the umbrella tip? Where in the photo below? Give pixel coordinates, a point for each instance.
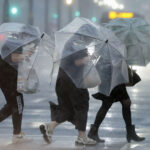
(42, 35)
(106, 41)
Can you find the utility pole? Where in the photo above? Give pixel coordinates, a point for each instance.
(70, 4)
(6, 11)
(59, 6)
(70, 12)
(30, 17)
(47, 16)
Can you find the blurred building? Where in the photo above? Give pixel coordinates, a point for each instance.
(51, 15)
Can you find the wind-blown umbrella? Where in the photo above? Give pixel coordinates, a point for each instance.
(23, 47)
(135, 34)
(37, 68)
(15, 35)
(91, 53)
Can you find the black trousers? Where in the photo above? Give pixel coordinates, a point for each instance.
(14, 106)
(14, 100)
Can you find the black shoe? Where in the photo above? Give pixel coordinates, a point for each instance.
(46, 138)
(131, 135)
(93, 134)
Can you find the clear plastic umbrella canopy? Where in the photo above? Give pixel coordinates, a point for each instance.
(135, 34)
(30, 53)
(15, 35)
(91, 55)
(35, 71)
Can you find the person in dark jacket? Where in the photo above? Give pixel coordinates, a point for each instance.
(14, 99)
(120, 94)
(73, 105)
(73, 102)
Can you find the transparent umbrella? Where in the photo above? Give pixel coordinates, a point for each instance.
(23, 47)
(37, 69)
(15, 35)
(91, 55)
(135, 34)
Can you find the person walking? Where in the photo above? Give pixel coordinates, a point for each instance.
(73, 102)
(8, 83)
(120, 94)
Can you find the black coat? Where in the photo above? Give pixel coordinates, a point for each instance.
(119, 93)
(8, 75)
(73, 103)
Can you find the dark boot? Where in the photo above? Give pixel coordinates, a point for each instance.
(131, 134)
(93, 134)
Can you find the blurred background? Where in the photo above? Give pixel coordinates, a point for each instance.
(51, 15)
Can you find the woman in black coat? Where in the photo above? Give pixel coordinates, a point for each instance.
(73, 102)
(14, 100)
(8, 83)
(120, 94)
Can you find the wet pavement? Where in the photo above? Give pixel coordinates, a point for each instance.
(67, 143)
(36, 112)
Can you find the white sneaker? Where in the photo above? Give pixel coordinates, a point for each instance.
(85, 141)
(46, 132)
(20, 138)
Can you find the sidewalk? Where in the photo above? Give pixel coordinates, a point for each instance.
(67, 143)
(58, 143)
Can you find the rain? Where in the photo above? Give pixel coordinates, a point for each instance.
(52, 51)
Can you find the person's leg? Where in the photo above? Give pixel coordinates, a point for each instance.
(80, 102)
(83, 140)
(126, 111)
(58, 115)
(93, 133)
(80, 120)
(17, 111)
(5, 112)
(102, 113)
(15, 103)
(47, 130)
(14, 108)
